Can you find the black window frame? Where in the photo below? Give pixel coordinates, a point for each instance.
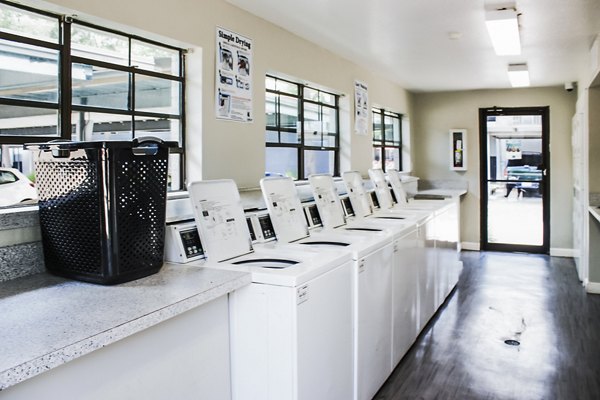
(384, 144)
(64, 106)
(300, 146)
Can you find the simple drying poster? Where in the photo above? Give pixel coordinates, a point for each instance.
(233, 88)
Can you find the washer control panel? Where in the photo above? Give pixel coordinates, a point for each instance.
(260, 226)
(182, 242)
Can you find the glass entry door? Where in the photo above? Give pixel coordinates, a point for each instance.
(515, 176)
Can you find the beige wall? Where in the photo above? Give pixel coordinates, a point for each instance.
(222, 149)
(436, 113)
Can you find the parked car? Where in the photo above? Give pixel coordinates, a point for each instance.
(15, 187)
(525, 169)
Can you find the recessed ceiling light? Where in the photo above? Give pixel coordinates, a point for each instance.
(518, 74)
(454, 35)
(503, 28)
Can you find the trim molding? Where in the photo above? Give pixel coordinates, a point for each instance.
(560, 252)
(593, 287)
(473, 246)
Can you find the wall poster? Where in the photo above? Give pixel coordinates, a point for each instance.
(361, 108)
(233, 88)
(458, 149)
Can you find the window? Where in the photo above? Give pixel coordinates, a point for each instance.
(67, 79)
(302, 130)
(387, 140)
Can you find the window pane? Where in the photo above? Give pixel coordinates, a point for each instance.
(271, 109)
(319, 162)
(392, 130)
(28, 72)
(286, 87)
(377, 128)
(154, 58)
(320, 125)
(21, 22)
(389, 128)
(156, 95)
(329, 119)
(312, 125)
(91, 126)
(271, 137)
(281, 161)
(100, 87)
(99, 45)
(28, 121)
(327, 98)
(311, 94)
(270, 83)
(290, 137)
(392, 159)
(288, 108)
(377, 158)
(14, 156)
(174, 180)
(162, 128)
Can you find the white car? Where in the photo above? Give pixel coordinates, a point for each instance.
(15, 187)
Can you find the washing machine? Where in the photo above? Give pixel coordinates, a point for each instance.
(291, 328)
(440, 236)
(447, 227)
(409, 255)
(372, 252)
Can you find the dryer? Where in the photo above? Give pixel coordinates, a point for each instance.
(291, 329)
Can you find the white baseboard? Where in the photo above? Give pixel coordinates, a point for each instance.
(593, 287)
(473, 246)
(558, 252)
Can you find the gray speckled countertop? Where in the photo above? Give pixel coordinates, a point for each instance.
(47, 321)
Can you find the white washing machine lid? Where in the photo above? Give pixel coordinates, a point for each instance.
(290, 225)
(357, 194)
(396, 183)
(220, 218)
(327, 200)
(287, 266)
(358, 243)
(417, 216)
(226, 238)
(285, 208)
(381, 188)
(396, 226)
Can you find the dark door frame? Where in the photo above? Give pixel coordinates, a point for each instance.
(483, 177)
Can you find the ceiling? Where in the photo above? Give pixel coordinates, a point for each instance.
(409, 40)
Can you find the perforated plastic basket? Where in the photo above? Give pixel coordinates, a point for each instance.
(102, 207)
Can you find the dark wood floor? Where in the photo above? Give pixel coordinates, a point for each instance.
(534, 299)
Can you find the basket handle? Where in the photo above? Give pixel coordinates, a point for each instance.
(60, 153)
(146, 146)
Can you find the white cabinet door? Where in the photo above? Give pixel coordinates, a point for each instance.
(324, 331)
(427, 272)
(405, 281)
(374, 330)
(185, 357)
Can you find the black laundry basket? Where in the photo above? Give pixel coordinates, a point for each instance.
(102, 207)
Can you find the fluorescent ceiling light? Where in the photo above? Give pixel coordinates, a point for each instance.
(503, 27)
(518, 75)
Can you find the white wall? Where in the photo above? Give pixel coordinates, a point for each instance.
(222, 149)
(439, 112)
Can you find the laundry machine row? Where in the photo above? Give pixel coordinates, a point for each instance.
(337, 298)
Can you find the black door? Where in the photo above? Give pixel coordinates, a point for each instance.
(514, 177)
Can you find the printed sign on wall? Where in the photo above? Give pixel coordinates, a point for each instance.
(233, 89)
(361, 108)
